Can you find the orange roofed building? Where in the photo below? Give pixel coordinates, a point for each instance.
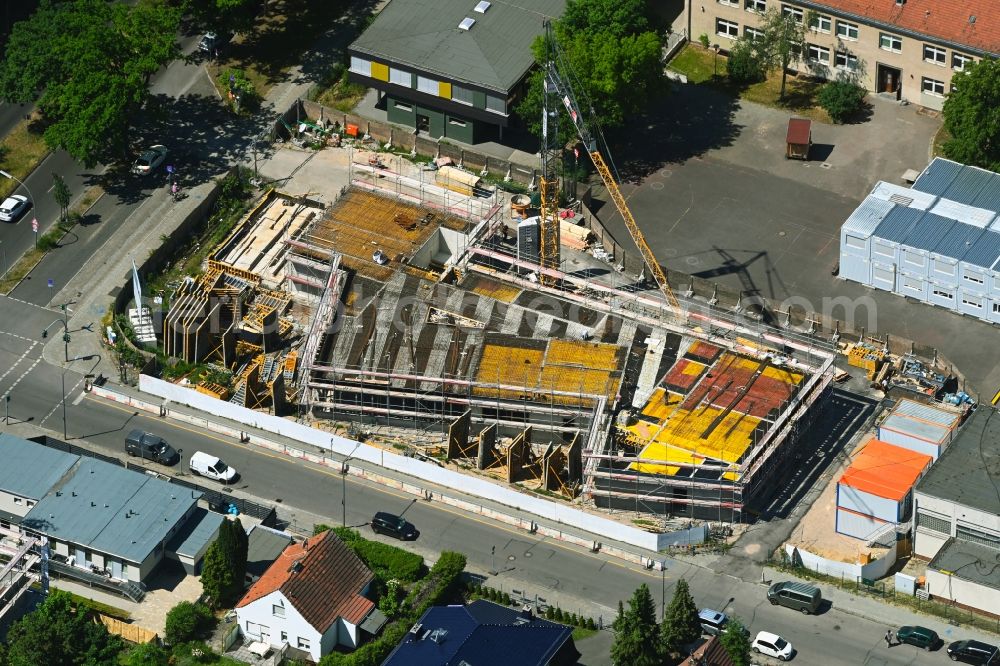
(313, 597)
(876, 492)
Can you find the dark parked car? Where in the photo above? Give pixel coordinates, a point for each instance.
(393, 525)
(150, 447)
(921, 637)
(974, 652)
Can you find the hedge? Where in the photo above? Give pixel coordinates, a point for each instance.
(387, 562)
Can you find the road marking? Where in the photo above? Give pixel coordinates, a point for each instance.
(378, 488)
(78, 399)
(18, 361)
(58, 404)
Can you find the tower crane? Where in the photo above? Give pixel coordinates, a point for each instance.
(560, 90)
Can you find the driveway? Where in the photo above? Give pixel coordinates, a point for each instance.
(710, 187)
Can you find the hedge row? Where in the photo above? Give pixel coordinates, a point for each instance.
(387, 562)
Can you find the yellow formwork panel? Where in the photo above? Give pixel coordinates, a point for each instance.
(693, 368)
(589, 354)
(668, 454)
(496, 290)
(576, 380)
(514, 366)
(661, 404)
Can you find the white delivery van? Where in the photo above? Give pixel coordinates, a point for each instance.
(203, 464)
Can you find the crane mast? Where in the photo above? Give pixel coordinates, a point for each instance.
(557, 90)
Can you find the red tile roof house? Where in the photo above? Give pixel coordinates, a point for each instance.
(709, 653)
(312, 597)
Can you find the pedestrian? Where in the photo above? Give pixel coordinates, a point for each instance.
(888, 638)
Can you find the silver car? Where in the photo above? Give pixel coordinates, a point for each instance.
(14, 207)
(149, 160)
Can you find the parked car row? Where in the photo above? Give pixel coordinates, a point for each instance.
(145, 445)
(808, 599)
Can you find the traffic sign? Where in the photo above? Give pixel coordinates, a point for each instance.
(170, 168)
(34, 225)
(52, 283)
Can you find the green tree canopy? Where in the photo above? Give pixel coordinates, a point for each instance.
(224, 570)
(680, 620)
(736, 640)
(635, 642)
(972, 115)
(58, 633)
(783, 41)
(613, 57)
(186, 621)
(223, 15)
(87, 64)
(145, 654)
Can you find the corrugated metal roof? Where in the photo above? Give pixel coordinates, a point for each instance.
(904, 196)
(30, 469)
(111, 510)
(924, 412)
(929, 231)
(930, 432)
(968, 185)
(896, 226)
(866, 217)
(986, 250)
(976, 217)
(937, 176)
(424, 35)
(958, 241)
(989, 198)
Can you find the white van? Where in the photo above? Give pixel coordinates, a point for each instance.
(203, 464)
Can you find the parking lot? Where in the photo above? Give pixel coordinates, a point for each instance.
(712, 191)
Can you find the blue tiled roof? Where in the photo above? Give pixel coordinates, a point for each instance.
(986, 250)
(937, 176)
(481, 634)
(958, 241)
(969, 184)
(897, 224)
(929, 231)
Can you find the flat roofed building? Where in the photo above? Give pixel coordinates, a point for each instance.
(451, 68)
(28, 472)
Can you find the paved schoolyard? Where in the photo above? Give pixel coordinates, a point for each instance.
(711, 189)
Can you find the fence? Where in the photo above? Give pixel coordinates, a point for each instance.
(406, 139)
(133, 633)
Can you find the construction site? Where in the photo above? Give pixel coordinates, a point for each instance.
(410, 316)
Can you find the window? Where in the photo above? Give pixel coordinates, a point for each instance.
(996, 308)
(429, 86)
(933, 523)
(400, 78)
(284, 637)
(820, 23)
(818, 54)
(912, 284)
(847, 30)
(878, 248)
(461, 95)
(361, 66)
(943, 294)
(913, 258)
(890, 42)
(18, 500)
(757, 6)
(496, 104)
(303, 643)
(794, 12)
(731, 3)
(932, 86)
(855, 242)
(978, 304)
(277, 610)
(936, 55)
(975, 279)
(943, 268)
(959, 61)
(403, 107)
(844, 60)
(752, 33)
(727, 28)
(30, 503)
(456, 122)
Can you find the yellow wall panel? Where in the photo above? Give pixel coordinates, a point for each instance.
(380, 71)
(444, 89)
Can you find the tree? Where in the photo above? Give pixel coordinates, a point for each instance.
(972, 115)
(61, 194)
(145, 654)
(224, 570)
(223, 15)
(841, 99)
(635, 642)
(747, 62)
(87, 65)
(736, 640)
(783, 41)
(186, 621)
(680, 620)
(613, 58)
(58, 633)
(216, 578)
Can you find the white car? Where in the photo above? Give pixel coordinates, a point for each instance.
(204, 464)
(149, 160)
(772, 645)
(14, 207)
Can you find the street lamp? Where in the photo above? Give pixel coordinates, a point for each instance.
(11, 176)
(343, 478)
(663, 588)
(715, 61)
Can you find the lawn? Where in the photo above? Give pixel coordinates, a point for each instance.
(20, 152)
(942, 137)
(342, 95)
(703, 67)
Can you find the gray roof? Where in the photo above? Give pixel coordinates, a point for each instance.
(937, 176)
(201, 527)
(264, 545)
(866, 217)
(985, 252)
(30, 469)
(969, 184)
(897, 224)
(111, 510)
(945, 417)
(969, 561)
(930, 432)
(958, 241)
(927, 233)
(968, 472)
(494, 53)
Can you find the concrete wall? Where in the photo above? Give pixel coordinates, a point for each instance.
(513, 499)
(928, 542)
(15, 504)
(963, 592)
(846, 570)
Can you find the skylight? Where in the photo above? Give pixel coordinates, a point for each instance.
(466, 23)
(482, 6)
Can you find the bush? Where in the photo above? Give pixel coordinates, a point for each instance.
(559, 614)
(574, 620)
(506, 599)
(703, 38)
(389, 562)
(187, 621)
(550, 613)
(841, 99)
(591, 624)
(745, 64)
